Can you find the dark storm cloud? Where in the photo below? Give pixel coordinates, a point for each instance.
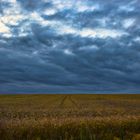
(33, 5)
(67, 46)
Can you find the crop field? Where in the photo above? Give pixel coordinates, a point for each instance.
(70, 117)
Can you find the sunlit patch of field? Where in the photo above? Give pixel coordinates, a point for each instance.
(70, 117)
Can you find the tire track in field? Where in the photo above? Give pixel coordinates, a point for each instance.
(62, 101)
(74, 103)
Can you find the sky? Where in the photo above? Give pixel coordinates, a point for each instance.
(69, 46)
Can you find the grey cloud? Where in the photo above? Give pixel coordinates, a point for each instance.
(33, 5)
(38, 62)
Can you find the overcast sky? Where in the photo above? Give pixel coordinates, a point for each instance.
(69, 46)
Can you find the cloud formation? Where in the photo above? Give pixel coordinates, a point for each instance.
(60, 46)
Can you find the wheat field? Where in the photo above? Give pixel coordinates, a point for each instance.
(70, 117)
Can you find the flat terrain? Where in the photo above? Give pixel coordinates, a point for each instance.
(70, 117)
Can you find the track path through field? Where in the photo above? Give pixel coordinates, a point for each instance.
(63, 100)
(73, 102)
(68, 100)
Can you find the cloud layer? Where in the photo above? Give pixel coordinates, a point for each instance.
(60, 46)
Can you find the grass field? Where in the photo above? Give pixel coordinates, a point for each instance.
(69, 117)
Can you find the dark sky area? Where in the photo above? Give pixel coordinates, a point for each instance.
(69, 46)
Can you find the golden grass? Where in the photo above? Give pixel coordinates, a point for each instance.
(69, 117)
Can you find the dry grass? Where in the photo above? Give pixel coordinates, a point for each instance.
(69, 117)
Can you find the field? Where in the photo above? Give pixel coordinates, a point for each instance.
(70, 117)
